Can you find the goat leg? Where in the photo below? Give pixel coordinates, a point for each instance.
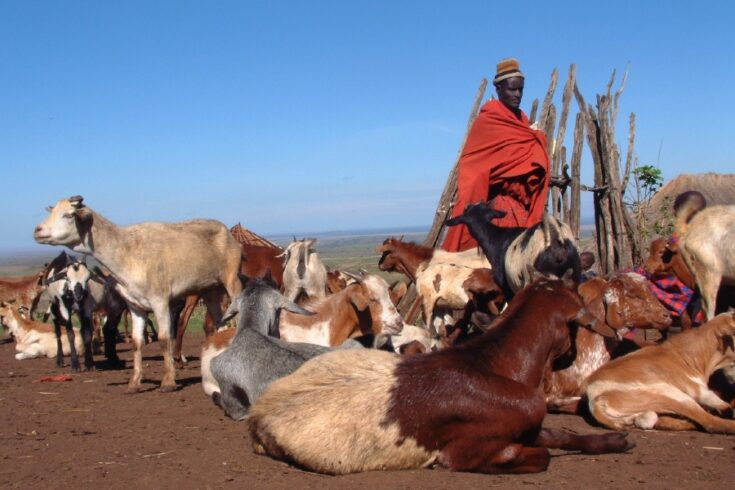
(493, 456)
(610, 442)
(72, 348)
(86, 321)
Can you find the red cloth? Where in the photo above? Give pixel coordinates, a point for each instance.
(502, 152)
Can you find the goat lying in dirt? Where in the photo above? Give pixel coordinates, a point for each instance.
(472, 407)
(665, 386)
(238, 375)
(34, 339)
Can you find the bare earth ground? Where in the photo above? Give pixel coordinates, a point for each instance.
(89, 433)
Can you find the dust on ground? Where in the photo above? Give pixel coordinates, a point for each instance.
(89, 433)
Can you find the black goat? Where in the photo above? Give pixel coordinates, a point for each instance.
(517, 253)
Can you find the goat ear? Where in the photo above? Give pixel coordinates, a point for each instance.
(84, 215)
(592, 292)
(612, 312)
(359, 299)
(727, 342)
(230, 313)
(592, 322)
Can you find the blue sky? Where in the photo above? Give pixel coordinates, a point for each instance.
(293, 116)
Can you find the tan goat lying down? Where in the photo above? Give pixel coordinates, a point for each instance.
(665, 386)
(35, 339)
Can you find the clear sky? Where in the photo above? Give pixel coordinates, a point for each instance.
(298, 116)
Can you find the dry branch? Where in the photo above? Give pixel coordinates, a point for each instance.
(576, 195)
(547, 100)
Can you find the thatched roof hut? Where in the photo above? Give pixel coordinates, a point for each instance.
(247, 237)
(716, 188)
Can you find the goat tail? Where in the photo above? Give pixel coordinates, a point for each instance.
(685, 213)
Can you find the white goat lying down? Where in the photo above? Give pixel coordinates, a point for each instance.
(665, 386)
(35, 339)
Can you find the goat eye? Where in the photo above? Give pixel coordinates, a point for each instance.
(68, 215)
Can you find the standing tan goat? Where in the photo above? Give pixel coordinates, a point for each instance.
(154, 263)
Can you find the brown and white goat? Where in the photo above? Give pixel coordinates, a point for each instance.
(364, 307)
(622, 302)
(262, 261)
(473, 407)
(34, 339)
(406, 257)
(666, 260)
(707, 245)
(439, 276)
(665, 386)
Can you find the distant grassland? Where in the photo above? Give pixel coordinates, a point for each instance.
(343, 252)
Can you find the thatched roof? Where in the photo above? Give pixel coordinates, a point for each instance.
(716, 188)
(243, 235)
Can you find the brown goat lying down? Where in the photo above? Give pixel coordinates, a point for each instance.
(665, 386)
(476, 406)
(621, 302)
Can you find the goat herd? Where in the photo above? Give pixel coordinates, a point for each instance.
(327, 375)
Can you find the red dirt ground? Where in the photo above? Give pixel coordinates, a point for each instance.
(90, 434)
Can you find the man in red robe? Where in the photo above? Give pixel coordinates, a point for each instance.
(504, 160)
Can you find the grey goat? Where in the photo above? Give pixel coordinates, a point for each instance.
(255, 358)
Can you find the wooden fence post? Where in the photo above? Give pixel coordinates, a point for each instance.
(408, 306)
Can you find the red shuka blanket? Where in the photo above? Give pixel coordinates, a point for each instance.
(505, 153)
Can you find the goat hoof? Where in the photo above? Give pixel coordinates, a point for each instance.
(726, 413)
(90, 368)
(75, 369)
(115, 361)
(132, 390)
(168, 388)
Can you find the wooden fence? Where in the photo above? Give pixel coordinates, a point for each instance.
(617, 240)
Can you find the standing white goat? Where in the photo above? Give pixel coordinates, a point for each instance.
(303, 271)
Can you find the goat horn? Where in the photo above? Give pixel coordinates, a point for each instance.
(352, 275)
(76, 201)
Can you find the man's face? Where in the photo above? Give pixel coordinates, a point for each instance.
(510, 92)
